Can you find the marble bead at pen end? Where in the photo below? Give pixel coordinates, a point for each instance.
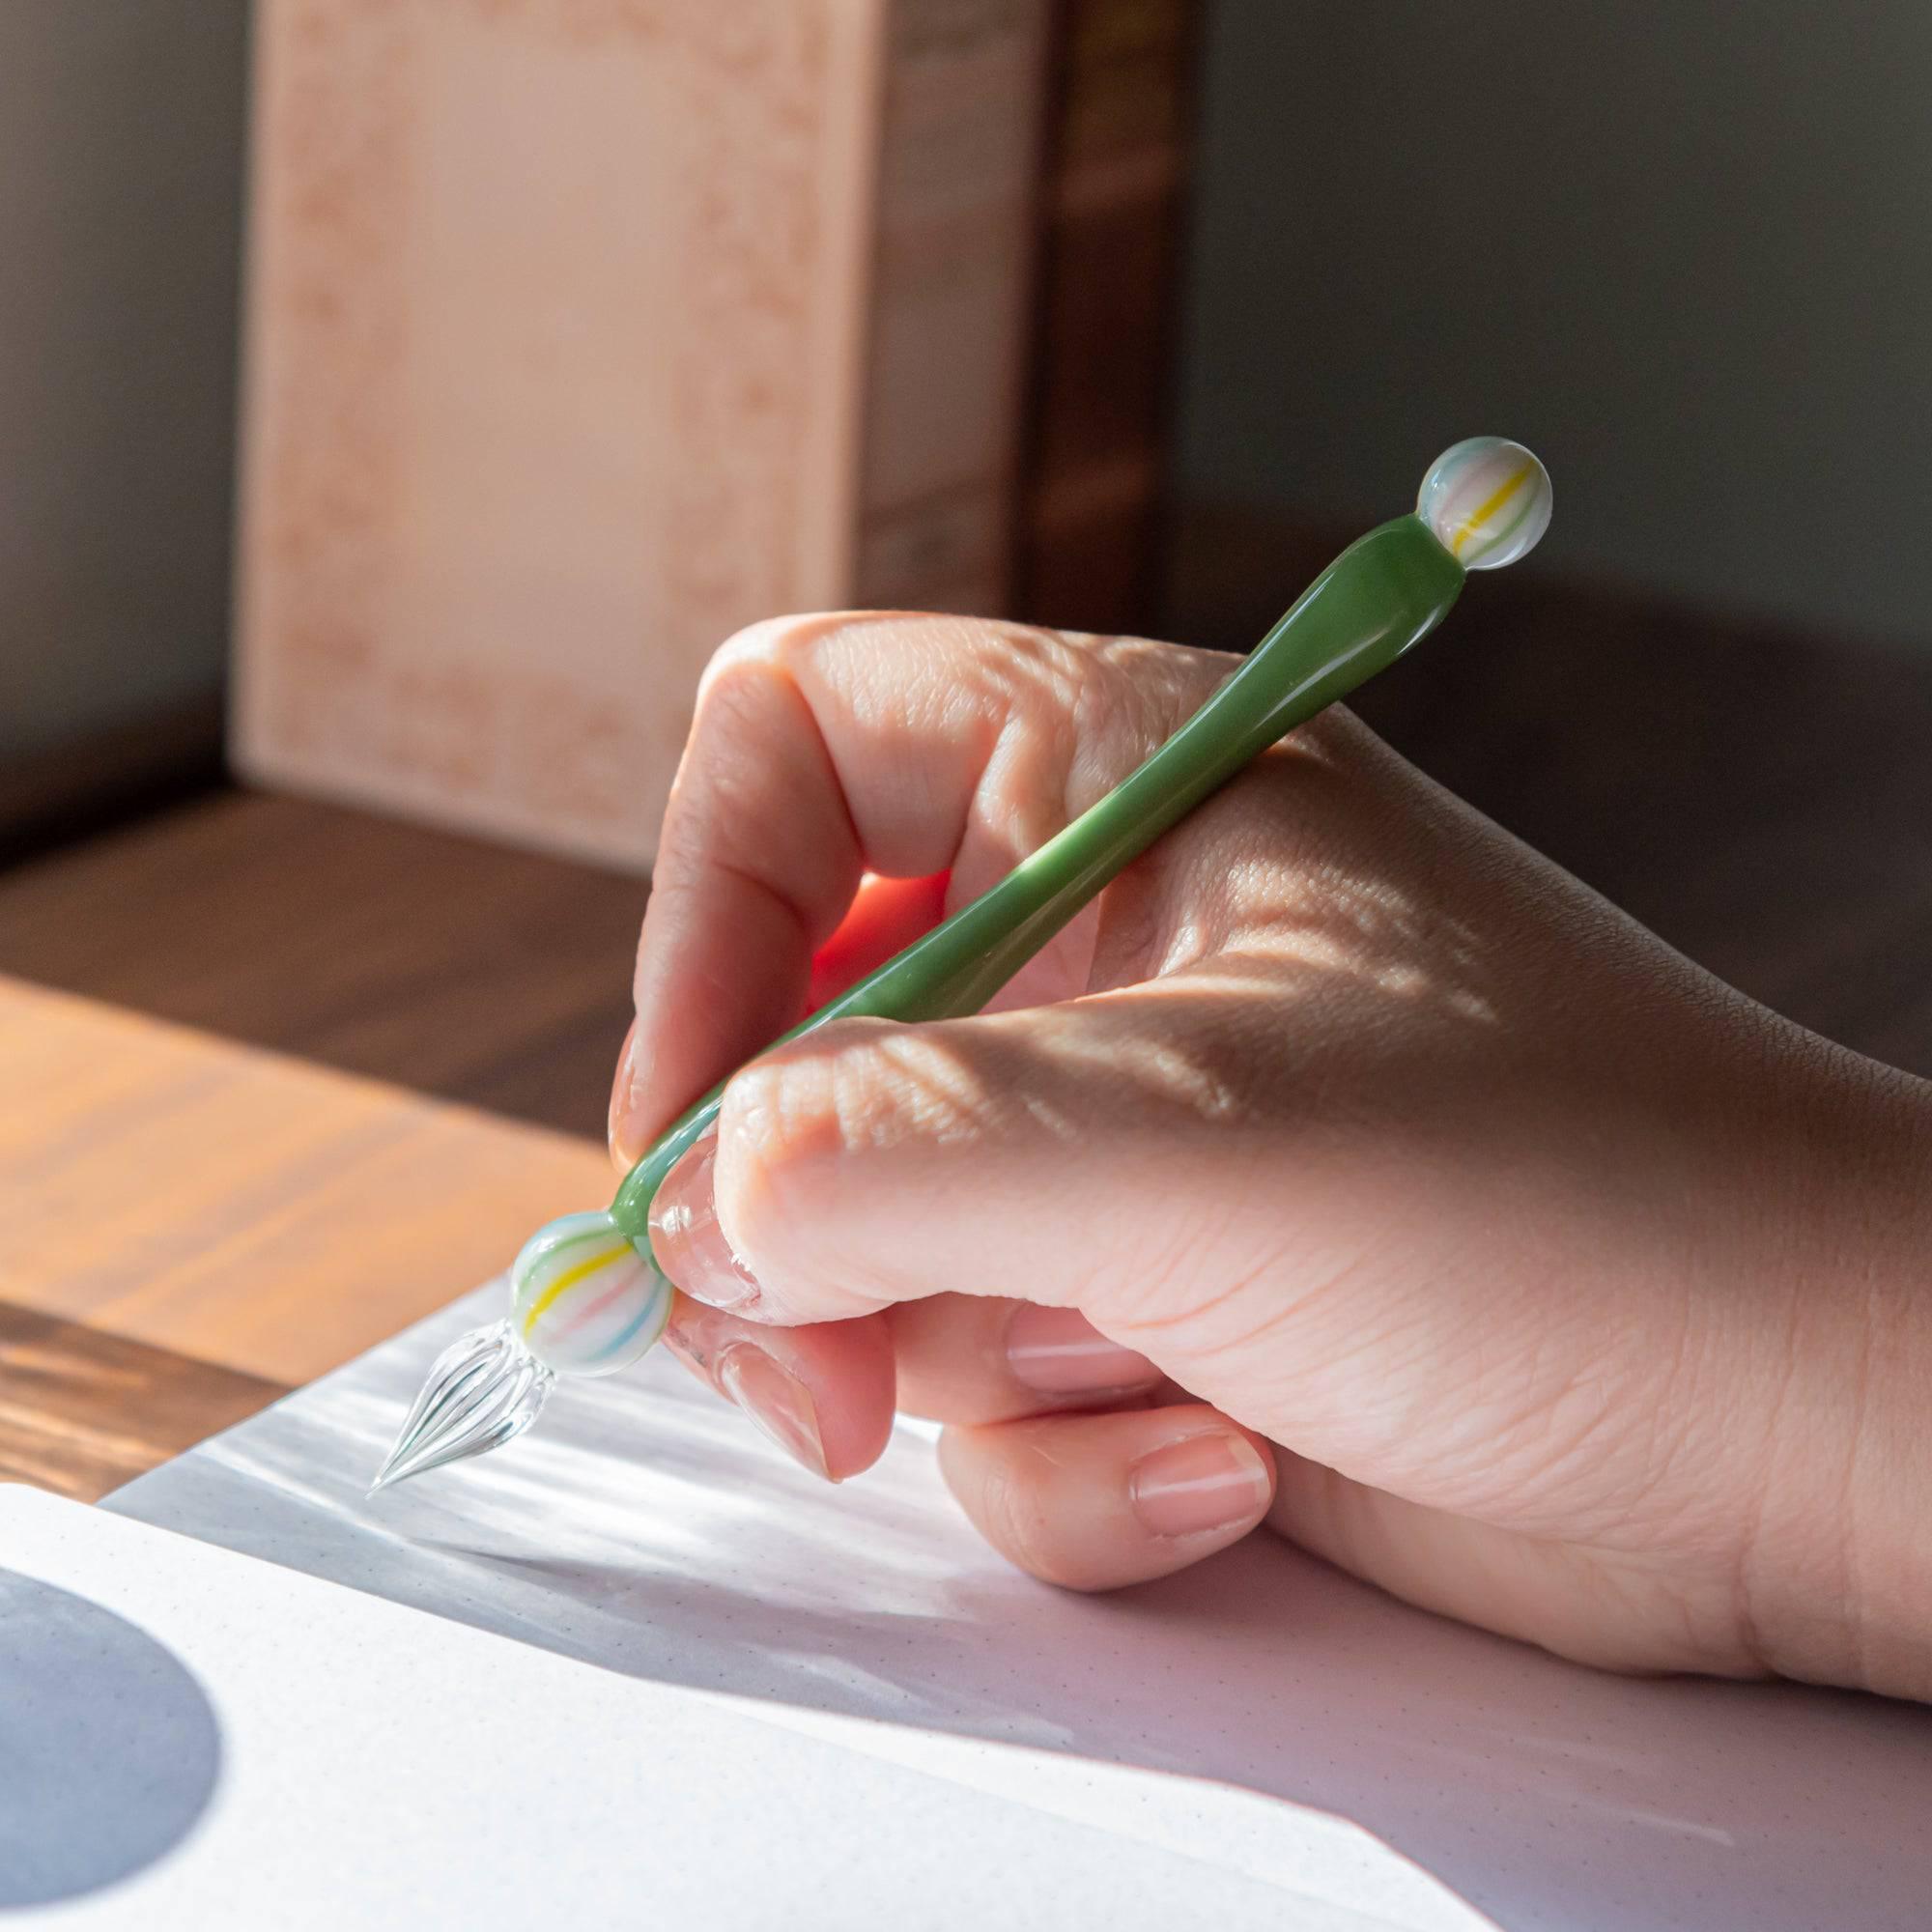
(1486, 500)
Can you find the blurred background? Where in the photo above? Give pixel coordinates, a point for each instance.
(540, 344)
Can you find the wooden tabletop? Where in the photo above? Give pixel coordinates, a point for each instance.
(190, 1228)
(326, 1072)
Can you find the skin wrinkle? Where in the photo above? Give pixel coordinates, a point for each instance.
(912, 801)
(1887, 1566)
(1373, 1436)
(1577, 1437)
(1884, 1354)
(975, 1112)
(1756, 1503)
(1795, 1443)
(759, 674)
(677, 878)
(1132, 938)
(1853, 1583)
(798, 654)
(1174, 1324)
(1677, 1421)
(1069, 764)
(799, 915)
(1674, 1415)
(1661, 1453)
(1034, 754)
(719, 690)
(1124, 1314)
(1009, 1514)
(1118, 716)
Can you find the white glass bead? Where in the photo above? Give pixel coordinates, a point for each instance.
(585, 1299)
(1486, 500)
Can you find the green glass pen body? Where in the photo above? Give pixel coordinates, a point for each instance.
(1379, 598)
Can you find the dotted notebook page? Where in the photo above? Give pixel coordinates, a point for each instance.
(200, 1743)
(1262, 1714)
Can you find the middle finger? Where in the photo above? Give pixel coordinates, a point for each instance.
(974, 1359)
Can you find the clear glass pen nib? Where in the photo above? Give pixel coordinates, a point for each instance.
(484, 1390)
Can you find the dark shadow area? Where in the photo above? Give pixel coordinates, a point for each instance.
(110, 1749)
(1759, 797)
(51, 799)
(123, 137)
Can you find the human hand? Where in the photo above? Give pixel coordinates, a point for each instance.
(1348, 1168)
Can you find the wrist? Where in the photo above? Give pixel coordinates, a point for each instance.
(1850, 1599)
(1889, 1528)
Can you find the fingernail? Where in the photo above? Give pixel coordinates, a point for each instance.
(1200, 1484)
(775, 1399)
(685, 1236)
(617, 1119)
(1059, 1351)
(697, 1335)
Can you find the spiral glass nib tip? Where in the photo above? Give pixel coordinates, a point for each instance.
(484, 1390)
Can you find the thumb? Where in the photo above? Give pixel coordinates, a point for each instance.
(1096, 1154)
(1157, 1160)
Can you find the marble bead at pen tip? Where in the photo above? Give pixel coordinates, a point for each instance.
(587, 1296)
(585, 1300)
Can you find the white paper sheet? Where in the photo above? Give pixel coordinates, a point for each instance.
(196, 1741)
(1263, 1718)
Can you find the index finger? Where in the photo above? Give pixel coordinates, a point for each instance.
(825, 746)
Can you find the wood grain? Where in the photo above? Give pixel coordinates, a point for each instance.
(82, 1411)
(232, 1208)
(440, 962)
(190, 1225)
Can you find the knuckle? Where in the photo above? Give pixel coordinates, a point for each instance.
(801, 1131)
(905, 1083)
(855, 1087)
(1015, 1516)
(776, 1128)
(1133, 697)
(766, 642)
(1016, 672)
(773, 647)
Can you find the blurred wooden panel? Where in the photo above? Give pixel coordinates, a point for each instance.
(462, 968)
(224, 1205)
(531, 425)
(1119, 141)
